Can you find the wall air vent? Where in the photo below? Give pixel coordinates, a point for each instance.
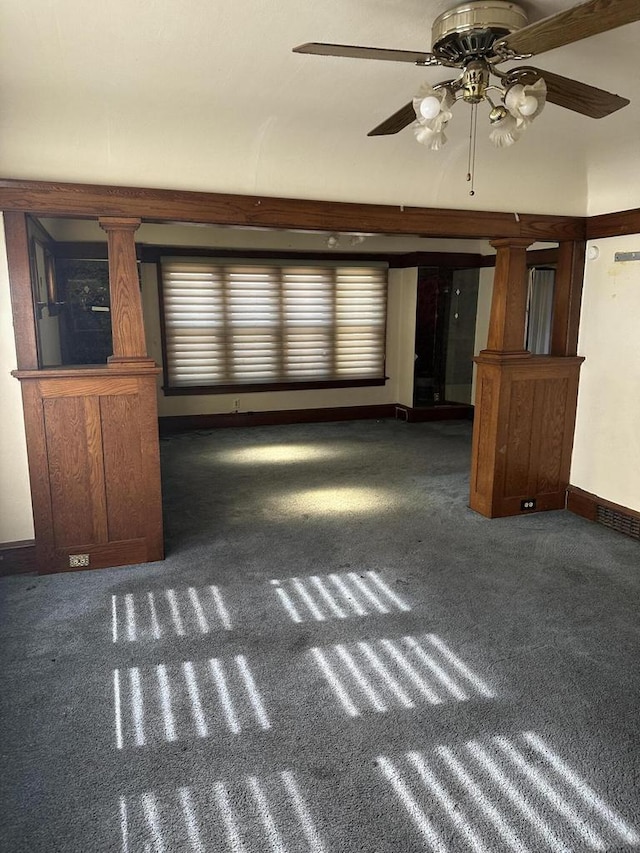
(618, 521)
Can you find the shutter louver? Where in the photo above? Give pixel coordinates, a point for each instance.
(252, 324)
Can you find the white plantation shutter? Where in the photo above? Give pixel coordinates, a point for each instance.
(228, 324)
(195, 324)
(360, 321)
(308, 326)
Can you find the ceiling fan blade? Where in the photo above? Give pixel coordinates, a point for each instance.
(576, 96)
(355, 52)
(395, 123)
(580, 22)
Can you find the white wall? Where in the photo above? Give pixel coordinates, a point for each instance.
(614, 179)
(16, 522)
(606, 455)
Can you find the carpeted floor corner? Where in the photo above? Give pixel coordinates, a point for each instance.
(336, 656)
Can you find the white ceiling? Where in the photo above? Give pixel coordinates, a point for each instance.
(206, 94)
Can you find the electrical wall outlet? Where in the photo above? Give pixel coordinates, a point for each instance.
(528, 503)
(77, 560)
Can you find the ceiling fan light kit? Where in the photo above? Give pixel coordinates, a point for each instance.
(477, 36)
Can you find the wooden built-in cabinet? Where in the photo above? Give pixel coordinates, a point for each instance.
(525, 405)
(92, 431)
(92, 440)
(523, 433)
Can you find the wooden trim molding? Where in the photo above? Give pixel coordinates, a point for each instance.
(24, 319)
(613, 224)
(428, 414)
(535, 258)
(18, 558)
(259, 387)
(509, 299)
(601, 511)
(567, 298)
(183, 423)
(43, 198)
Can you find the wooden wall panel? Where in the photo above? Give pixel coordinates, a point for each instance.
(528, 419)
(519, 438)
(483, 449)
(120, 417)
(38, 471)
(94, 465)
(95, 469)
(68, 461)
(555, 398)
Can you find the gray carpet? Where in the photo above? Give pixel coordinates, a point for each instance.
(337, 655)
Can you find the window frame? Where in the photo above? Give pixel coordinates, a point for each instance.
(252, 258)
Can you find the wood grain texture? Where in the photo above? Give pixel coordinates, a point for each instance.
(83, 372)
(351, 51)
(523, 433)
(24, 320)
(127, 325)
(60, 199)
(402, 118)
(535, 258)
(567, 298)
(554, 394)
(571, 25)
(88, 387)
(122, 449)
(152, 487)
(586, 504)
(509, 300)
(484, 447)
(94, 466)
(128, 552)
(69, 469)
(96, 472)
(38, 461)
(519, 445)
(613, 224)
(574, 95)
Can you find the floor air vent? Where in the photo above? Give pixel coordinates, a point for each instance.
(618, 521)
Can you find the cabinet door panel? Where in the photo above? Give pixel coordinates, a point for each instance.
(69, 470)
(121, 419)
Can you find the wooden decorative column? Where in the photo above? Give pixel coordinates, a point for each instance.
(92, 434)
(525, 405)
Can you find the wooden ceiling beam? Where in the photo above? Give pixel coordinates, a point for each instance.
(44, 198)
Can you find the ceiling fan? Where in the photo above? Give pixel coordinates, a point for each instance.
(476, 37)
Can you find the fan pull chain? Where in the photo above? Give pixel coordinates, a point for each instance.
(473, 132)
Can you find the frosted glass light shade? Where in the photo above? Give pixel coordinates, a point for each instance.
(526, 102)
(427, 136)
(505, 132)
(429, 107)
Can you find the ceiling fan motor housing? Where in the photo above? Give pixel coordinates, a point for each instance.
(470, 30)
